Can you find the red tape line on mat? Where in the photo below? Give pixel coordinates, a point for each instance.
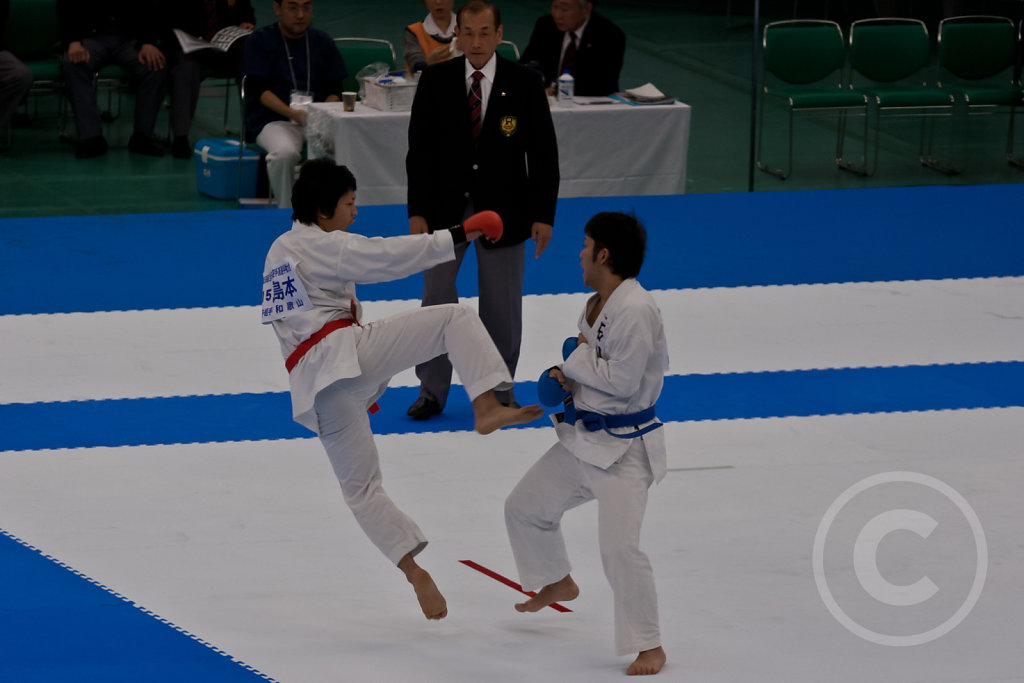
(509, 582)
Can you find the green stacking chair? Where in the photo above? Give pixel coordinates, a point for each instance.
(802, 69)
(508, 50)
(889, 63)
(358, 52)
(977, 63)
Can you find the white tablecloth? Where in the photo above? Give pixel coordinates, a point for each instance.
(603, 149)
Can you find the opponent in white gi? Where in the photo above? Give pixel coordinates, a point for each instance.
(338, 368)
(610, 445)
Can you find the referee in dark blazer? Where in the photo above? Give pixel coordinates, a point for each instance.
(576, 37)
(510, 165)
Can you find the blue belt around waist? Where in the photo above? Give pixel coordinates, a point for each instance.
(595, 421)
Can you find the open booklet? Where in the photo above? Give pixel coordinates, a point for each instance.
(222, 40)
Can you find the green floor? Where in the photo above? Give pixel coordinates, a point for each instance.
(701, 56)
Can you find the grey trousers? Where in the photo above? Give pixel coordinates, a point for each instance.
(500, 282)
(150, 86)
(15, 80)
(185, 76)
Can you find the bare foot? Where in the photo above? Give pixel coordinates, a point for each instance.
(431, 601)
(647, 663)
(563, 590)
(491, 415)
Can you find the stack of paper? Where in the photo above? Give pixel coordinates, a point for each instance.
(645, 94)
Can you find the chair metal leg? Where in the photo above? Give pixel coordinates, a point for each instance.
(866, 166)
(779, 173)
(238, 187)
(1011, 158)
(841, 161)
(789, 158)
(227, 103)
(872, 131)
(958, 122)
(229, 87)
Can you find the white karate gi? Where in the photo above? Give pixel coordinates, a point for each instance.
(339, 378)
(620, 370)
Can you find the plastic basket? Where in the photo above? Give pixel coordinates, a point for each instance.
(389, 96)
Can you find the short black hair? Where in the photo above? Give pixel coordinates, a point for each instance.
(624, 237)
(475, 7)
(320, 185)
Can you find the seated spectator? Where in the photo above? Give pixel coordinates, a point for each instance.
(200, 19)
(577, 39)
(96, 33)
(432, 40)
(15, 78)
(288, 64)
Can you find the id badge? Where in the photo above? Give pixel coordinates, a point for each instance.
(283, 292)
(300, 100)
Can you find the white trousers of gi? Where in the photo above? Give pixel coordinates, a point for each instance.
(386, 347)
(283, 141)
(560, 481)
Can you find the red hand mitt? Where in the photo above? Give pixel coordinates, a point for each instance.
(487, 222)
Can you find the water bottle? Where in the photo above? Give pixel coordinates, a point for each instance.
(566, 88)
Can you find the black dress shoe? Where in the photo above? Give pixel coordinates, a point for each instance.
(511, 404)
(140, 144)
(423, 409)
(180, 149)
(91, 147)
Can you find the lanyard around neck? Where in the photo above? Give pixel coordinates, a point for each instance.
(291, 68)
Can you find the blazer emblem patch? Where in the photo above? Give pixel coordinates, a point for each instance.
(509, 125)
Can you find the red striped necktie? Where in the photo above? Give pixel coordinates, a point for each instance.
(570, 55)
(476, 102)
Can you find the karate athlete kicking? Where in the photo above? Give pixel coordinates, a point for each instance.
(338, 368)
(610, 445)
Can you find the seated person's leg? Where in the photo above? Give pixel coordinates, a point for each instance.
(283, 141)
(185, 74)
(150, 85)
(15, 81)
(79, 77)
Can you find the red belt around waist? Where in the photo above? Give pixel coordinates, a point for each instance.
(303, 348)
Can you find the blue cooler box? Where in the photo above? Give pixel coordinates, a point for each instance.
(217, 168)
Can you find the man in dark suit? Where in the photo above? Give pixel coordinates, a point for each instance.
(576, 38)
(95, 33)
(481, 137)
(186, 70)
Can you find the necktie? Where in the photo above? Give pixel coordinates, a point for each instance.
(476, 119)
(210, 14)
(570, 54)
